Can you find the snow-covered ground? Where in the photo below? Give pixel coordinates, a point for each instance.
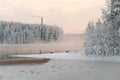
(72, 55)
(64, 66)
(62, 69)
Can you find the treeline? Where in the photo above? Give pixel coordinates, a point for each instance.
(103, 38)
(20, 33)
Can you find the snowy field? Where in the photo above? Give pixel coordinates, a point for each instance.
(62, 69)
(64, 66)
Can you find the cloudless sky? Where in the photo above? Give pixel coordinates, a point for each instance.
(71, 15)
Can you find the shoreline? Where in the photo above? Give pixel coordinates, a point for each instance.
(23, 61)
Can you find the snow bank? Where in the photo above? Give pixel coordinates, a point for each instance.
(72, 55)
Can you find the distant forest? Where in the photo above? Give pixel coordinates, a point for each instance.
(21, 33)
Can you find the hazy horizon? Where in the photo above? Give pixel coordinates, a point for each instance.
(71, 15)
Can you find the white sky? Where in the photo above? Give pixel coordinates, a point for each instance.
(71, 15)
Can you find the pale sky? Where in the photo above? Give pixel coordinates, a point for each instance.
(71, 15)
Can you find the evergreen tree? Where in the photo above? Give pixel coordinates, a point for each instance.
(111, 16)
(19, 33)
(104, 38)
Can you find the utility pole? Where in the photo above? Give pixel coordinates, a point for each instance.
(41, 21)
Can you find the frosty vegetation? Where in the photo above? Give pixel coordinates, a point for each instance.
(19, 33)
(103, 38)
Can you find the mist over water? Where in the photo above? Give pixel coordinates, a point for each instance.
(68, 42)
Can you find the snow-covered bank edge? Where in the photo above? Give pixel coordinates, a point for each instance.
(73, 56)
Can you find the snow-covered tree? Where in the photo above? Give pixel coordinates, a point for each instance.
(94, 39)
(105, 39)
(18, 33)
(111, 16)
